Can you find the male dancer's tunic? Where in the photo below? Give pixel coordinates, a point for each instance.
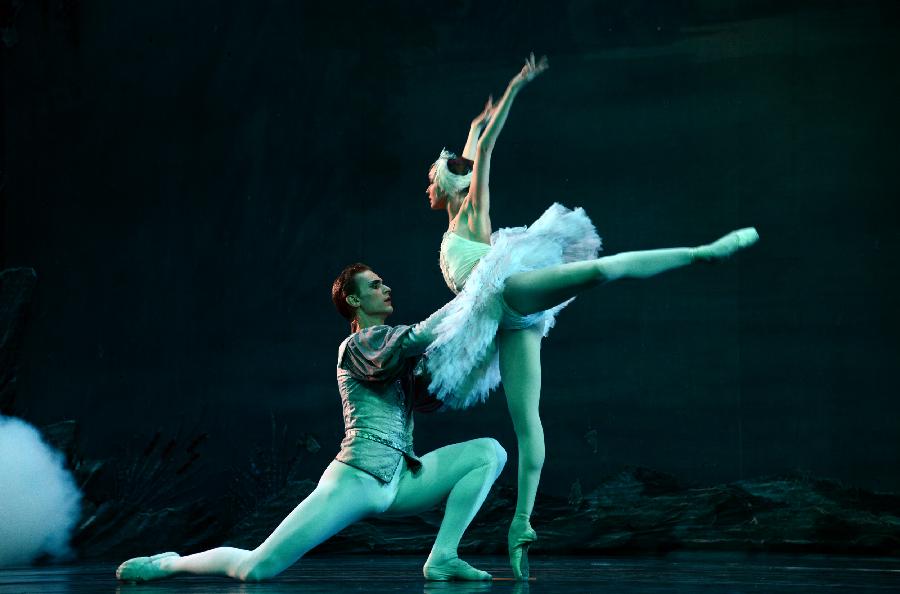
(379, 390)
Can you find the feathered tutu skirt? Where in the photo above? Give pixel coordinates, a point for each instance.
(463, 359)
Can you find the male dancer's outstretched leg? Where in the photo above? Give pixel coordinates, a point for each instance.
(462, 473)
(343, 496)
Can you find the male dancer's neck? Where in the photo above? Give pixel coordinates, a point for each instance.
(364, 320)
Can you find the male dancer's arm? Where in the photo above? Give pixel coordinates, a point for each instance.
(379, 353)
(421, 335)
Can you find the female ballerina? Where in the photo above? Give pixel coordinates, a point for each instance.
(510, 285)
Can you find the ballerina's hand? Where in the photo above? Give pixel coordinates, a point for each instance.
(531, 69)
(484, 118)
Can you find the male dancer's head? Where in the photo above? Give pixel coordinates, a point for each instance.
(361, 297)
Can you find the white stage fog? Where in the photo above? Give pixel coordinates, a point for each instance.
(39, 501)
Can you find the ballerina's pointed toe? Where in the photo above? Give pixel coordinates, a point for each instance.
(143, 569)
(746, 237)
(727, 245)
(519, 541)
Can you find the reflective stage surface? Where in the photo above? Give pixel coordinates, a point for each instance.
(679, 573)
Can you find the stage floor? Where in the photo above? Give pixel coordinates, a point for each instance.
(673, 573)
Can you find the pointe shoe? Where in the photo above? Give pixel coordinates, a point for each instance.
(521, 535)
(143, 569)
(727, 245)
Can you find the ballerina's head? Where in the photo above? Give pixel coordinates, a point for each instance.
(450, 177)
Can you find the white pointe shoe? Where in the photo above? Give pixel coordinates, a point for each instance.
(727, 245)
(746, 237)
(521, 536)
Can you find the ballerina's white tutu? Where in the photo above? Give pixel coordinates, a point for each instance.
(463, 359)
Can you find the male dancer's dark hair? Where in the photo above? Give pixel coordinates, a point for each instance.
(345, 285)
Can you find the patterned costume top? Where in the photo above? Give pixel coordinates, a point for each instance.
(379, 392)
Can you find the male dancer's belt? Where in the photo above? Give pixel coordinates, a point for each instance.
(375, 437)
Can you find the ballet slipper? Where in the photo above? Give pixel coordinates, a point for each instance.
(143, 569)
(521, 535)
(727, 245)
(451, 569)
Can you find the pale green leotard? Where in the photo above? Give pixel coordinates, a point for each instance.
(458, 259)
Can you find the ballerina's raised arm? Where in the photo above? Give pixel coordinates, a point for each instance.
(478, 191)
(477, 126)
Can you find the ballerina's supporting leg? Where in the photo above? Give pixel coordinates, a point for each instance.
(520, 368)
(343, 496)
(520, 364)
(537, 290)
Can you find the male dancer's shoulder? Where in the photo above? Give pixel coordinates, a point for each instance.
(374, 353)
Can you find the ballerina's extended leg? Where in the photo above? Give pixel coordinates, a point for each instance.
(538, 290)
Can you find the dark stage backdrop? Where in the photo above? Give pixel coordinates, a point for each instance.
(187, 179)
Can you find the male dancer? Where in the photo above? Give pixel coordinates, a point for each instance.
(376, 471)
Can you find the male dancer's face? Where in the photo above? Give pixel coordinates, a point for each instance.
(373, 297)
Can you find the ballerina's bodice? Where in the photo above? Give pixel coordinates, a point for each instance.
(458, 259)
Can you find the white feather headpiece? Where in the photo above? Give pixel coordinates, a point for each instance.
(446, 180)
